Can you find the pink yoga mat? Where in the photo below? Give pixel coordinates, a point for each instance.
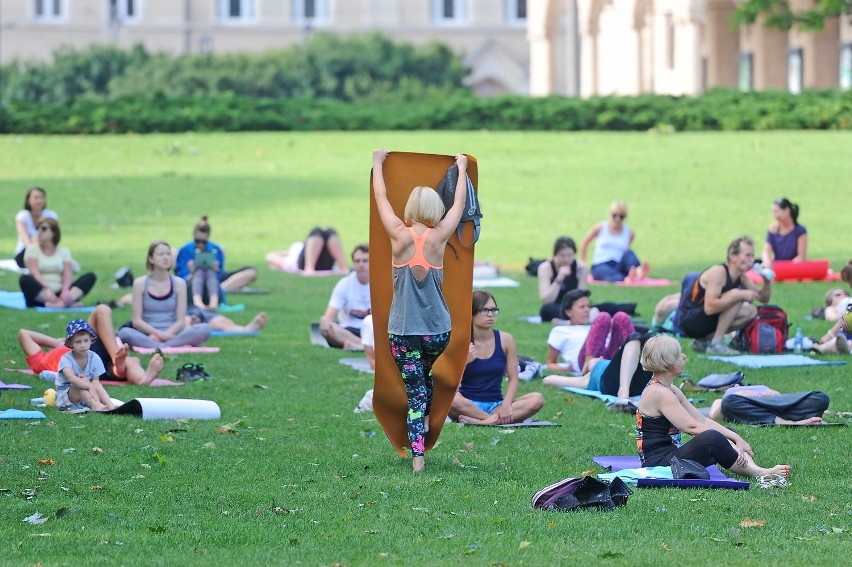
(179, 350)
(644, 282)
(154, 383)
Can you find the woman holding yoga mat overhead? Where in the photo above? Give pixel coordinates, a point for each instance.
(664, 412)
(419, 323)
(159, 306)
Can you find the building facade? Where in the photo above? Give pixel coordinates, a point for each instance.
(536, 47)
(490, 34)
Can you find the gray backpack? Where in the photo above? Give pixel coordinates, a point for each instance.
(472, 211)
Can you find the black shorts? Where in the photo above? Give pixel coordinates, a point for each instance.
(697, 324)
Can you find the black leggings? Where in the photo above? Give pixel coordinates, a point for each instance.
(611, 377)
(31, 287)
(708, 448)
(325, 260)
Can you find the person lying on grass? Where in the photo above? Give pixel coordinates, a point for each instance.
(761, 405)
(664, 412)
(114, 357)
(78, 384)
(491, 356)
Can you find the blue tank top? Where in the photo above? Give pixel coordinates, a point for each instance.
(483, 378)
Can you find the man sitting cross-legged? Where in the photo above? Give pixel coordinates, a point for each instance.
(349, 304)
(720, 300)
(118, 364)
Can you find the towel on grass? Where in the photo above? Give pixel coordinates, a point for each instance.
(597, 394)
(156, 382)
(775, 360)
(495, 282)
(5, 386)
(178, 350)
(529, 422)
(360, 364)
(15, 300)
(717, 478)
(234, 333)
(12, 413)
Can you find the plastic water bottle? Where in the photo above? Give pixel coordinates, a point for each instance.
(797, 341)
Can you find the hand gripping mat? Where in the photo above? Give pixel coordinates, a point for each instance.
(404, 171)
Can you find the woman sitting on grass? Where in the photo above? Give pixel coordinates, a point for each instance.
(159, 307)
(559, 275)
(492, 355)
(664, 412)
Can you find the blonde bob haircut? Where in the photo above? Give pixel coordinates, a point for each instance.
(424, 206)
(660, 354)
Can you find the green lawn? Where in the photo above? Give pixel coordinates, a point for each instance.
(301, 479)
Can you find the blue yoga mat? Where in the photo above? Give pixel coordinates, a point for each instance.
(596, 394)
(15, 300)
(775, 360)
(717, 477)
(21, 414)
(234, 333)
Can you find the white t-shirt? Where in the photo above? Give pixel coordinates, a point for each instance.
(26, 217)
(367, 338)
(51, 267)
(352, 300)
(568, 340)
(840, 308)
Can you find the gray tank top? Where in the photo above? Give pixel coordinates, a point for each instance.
(418, 306)
(159, 312)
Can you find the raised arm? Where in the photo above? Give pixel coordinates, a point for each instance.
(392, 223)
(448, 224)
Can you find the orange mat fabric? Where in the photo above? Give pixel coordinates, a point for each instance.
(403, 171)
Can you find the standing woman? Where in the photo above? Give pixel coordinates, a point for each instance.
(159, 306)
(786, 239)
(613, 260)
(28, 219)
(49, 283)
(419, 323)
(558, 276)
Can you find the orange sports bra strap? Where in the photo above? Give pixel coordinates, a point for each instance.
(419, 259)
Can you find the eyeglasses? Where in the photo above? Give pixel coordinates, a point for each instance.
(618, 216)
(489, 311)
(200, 241)
(44, 228)
(839, 294)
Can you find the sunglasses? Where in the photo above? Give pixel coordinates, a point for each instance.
(43, 228)
(618, 216)
(489, 311)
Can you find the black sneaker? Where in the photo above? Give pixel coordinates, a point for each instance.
(200, 374)
(187, 373)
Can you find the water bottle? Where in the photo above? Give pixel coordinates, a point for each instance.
(797, 341)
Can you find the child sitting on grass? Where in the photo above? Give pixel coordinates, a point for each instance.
(78, 383)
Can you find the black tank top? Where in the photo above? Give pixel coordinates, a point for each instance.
(696, 298)
(569, 283)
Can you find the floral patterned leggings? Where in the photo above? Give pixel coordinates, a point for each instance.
(415, 355)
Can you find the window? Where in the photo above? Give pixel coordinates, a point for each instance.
(311, 11)
(123, 11)
(516, 11)
(746, 78)
(236, 11)
(49, 10)
(846, 66)
(449, 11)
(794, 71)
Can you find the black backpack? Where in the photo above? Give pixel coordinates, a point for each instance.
(472, 211)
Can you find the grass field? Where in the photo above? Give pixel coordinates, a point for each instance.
(300, 478)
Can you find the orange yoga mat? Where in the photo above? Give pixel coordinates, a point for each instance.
(403, 171)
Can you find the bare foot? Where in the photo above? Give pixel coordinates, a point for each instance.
(631, 275)
(418, 464)
(258, 322)
(119, 367)
(643, 270)
(783, 470)
(214, 302)
(808, 421)
(155, 366)
(491, 419)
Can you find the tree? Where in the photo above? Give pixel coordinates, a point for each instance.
(779, 15)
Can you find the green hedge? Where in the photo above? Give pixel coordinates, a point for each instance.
(714, 110)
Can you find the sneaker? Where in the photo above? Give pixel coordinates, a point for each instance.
(842, 344)
(200, 373)
(772, 481)
(699, 345)
(187, 373)
(721, 349)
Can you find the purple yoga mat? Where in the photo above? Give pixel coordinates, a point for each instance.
(717, 478)
(5, 386)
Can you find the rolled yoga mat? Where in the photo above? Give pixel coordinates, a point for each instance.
(402, 172)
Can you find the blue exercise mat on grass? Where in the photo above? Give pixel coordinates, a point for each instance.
(596, 394)
(234, 333)
(717, 477)
(21, 414)
(775, 360)
(15, 300)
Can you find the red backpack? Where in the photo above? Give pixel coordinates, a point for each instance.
(766, 333)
